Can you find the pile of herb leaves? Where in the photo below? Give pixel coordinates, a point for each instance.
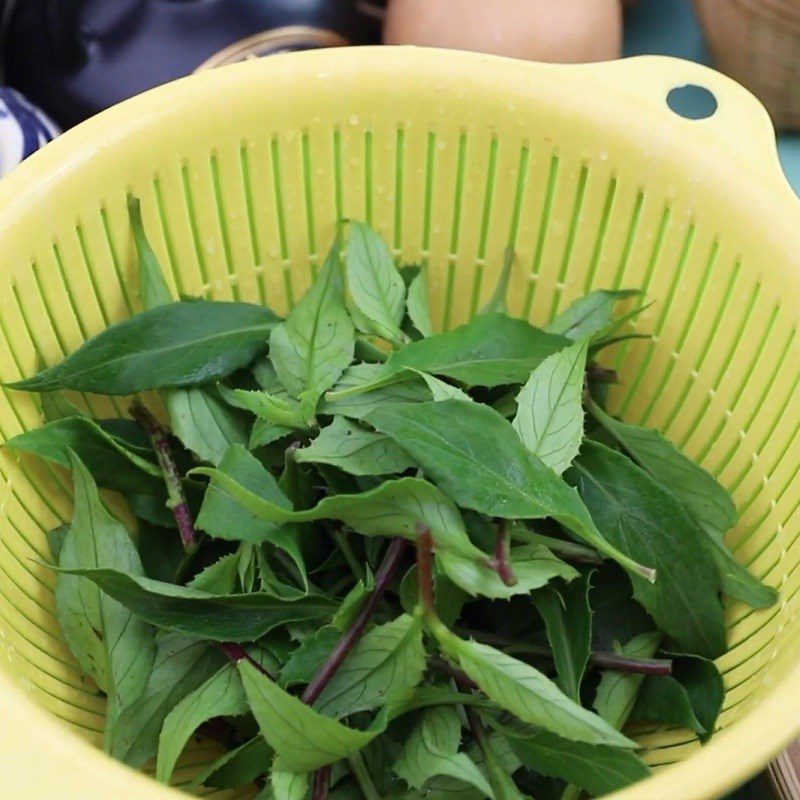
(375, 561)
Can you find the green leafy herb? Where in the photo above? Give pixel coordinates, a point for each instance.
(112, 645)
(182, 344)
(568, 621)
(644, 521)
(590, 315)
(375, 285)
(549, 416)
(418, 303)
(315, 344)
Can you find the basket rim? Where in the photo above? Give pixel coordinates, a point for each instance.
(734, 754)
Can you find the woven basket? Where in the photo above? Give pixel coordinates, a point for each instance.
(757, 42)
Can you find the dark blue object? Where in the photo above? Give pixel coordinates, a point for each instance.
(23, 129)
(77, 57)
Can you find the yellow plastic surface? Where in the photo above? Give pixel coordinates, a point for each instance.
(583, 170)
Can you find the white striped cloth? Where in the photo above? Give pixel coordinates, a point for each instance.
(23, 129)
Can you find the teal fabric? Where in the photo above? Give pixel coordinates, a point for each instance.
(669, 27)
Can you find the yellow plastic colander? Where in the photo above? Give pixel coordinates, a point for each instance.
(583, 170)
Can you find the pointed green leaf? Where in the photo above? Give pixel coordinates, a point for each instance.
(236, 768)
(288, 785)
(352, 603)
(549, 416)
(388, 657)
(357, 401)
(180, 666)
(477, 458)
(589, 315)
(568, 620)
(265, 432)
(204, 423)
(616, 694)
(221, 517)
(222, 695)
(55, 406)
(112, 646)
(534, 566)
(418, 303)
(497, 303)
(395, 508)
(303, 738)
(355, 450)
(598, 769)
(221, 618)
(643, 520)
(701, 495)
(309, 657)
(314, 346)
(441, 390)
(528, 694)
(181, 344)
(503, 786)
(219, 577)
(153, 289)
(491, 350)
(432, 749)
(375, 285)
(268, 407)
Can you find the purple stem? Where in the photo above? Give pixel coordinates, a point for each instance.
(383, 578)
(501, 563)
(236, 653)
(322, 778)
(176, 499)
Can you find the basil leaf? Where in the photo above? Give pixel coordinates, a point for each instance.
(534, 566)
(55, 406)
(389, 656)
(55, 540)
(302, 738)
(204, 424)
(219, 577)
(617, 617)
(221, 618)
(223, 518)
(288, 785)
(374, 283)
(418, 303)
(180, 666)
(181, 344)
(222, 695)
(314, 346)
(528, 694)
(491, 350)
(153, 289)
(432, 749)
(355, 450)
(503, 785)
(309, 657)
(429, 696)
(236, 768)
(598, 769)
(691, 697)
(355, 400)
(497, 303)
(568, 621)
(441, 390)
(549, 417)
(265, 432)
(617, 691)
(476, 457)
(112, 646)
(395, 508)
(701, 495)
(646, 522)
(589, 315)
(272, 408)
(352, 603)
(113, 465)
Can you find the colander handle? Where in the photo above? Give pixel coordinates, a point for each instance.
(739, 122)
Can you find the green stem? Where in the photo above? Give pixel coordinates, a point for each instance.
(343, 543)
(569, 551)
(362, 776)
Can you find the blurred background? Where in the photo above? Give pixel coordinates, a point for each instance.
(62, 61)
